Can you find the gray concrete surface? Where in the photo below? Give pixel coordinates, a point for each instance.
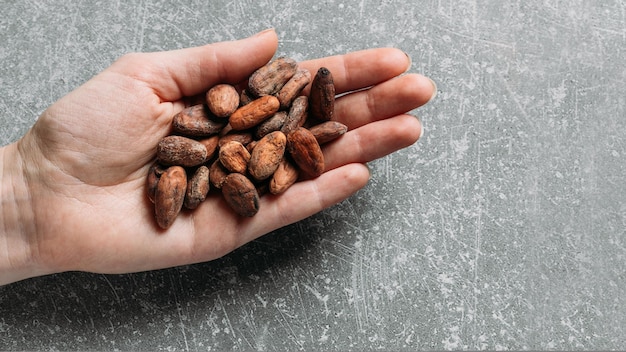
(503, 228)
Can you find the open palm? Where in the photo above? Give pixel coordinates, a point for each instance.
(86, 158)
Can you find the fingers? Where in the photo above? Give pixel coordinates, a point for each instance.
(393, 97)
(361, 69)
(187, 72)
(372, 141)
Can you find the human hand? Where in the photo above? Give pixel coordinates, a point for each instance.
(73, 188)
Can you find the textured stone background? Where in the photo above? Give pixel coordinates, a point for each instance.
(503, 228)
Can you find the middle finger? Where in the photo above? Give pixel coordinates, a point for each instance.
(393, 97)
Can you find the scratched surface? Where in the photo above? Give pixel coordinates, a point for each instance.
(503, 228)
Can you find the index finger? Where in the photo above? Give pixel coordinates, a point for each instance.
(361, 69)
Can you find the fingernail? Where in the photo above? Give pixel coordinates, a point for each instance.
(434, 89)
(272, 29)
(410, 61)
(421, 129)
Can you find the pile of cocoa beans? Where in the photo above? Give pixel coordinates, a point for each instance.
(248, 142)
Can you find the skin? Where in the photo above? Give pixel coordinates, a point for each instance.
(73, 191)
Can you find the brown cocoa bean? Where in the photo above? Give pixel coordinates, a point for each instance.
(306, 152)
(234, 157)
(196, 121)
(254, 112)
(197, 188)
(154, 174)
(217, 173)
(297, 115)
(222, 100)
(250, 146)
(269, 79)
(211, 145)
(266, 155)
(170, 195)
(245, 97)
(243, 137)
(328, 131)
(322, 95)
(284, 177)
(183, 151)
(262, 188)
(226, 130)
(293, 88)
(240, 194)
(274, 123)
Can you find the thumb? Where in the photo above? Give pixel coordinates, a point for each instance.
(186, 72)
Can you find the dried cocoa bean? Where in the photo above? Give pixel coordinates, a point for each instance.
(254, 112)
(197, 188)
(196, 121)
(270, 78)
(170, 195)
(241, 194)
(274, 123)
(154, 174)
(183, 151)
(226, 130)
(262, 188)
(306, 152)
(245, 97)
(284, 177)
(322, 95)
(211, 145)
(328, 131)
(297, 115)
(293, 88)
(243, 137)
(266, 155)
(234, 157)
(217, 173)
(222, 100)
(250, 146)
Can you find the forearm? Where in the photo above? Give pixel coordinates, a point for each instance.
(17, 235)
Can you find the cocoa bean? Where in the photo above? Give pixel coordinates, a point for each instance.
(250, 146)
(222, 100)
(274, 123)
(170, 195)
(284, 177)
(266, 155)
(243, 137)
(154, 174)
(322, 95)
(234, 157)
(211, 145)
(328, 131)
(245, 97)
(269, 79)
(293, 87)
(297, 115)
(196, 121)
(240, 194)
(217, 173)
(197, 188)
(183, 151)
(306, 152)
(254, 112)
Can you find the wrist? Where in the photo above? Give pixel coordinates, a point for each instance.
(18, 239)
